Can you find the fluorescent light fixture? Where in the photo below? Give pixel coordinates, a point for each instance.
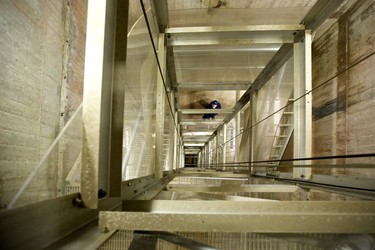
(197, 133)
(199, 49)
(217, 178)
(194, 144)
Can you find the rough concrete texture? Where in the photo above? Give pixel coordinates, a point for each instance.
(31, 55)
(343, 113)
(77, 42)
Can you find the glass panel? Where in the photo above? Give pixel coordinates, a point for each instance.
(221, 64)
(140, 103)
(230, 142)
(168, 134)
(273, 96)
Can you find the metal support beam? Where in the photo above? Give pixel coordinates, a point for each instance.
(160, 111)
(186, 195)
(172, 134)
(160, 8)
(237, 132)
(97, 99)
(176, 142)
(210, 174)
(182, 156)
(245, 28)
(145, 187)
(171, 68)
(204, 86)
(209, 151)
(199, 158)
(118, 92)
(185, 40)
(187, 137)
(252, 130)
(232, 35)
(179, 146)
(206, 154)
(214, 149)
(302, 107)
(321, 10)
(330, 184)
(204, 111)
(200, 122)
(256, 188)
(243, 216)
(224, 146)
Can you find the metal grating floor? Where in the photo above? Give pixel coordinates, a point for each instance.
(244, 241)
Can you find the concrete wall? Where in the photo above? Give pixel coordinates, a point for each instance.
(343, 112)
(32, 55)
(72, 92)
(76, 39)
(343, 103)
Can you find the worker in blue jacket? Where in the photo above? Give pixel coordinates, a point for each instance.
(212, 105)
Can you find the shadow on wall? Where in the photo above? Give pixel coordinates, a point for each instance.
(200, 104)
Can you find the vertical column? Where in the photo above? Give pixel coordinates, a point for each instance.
(172, 133)
(209, 154)
(180, 145)
(252, 130)
(238, 128)
(217, 149)
(182, 156)
(224, 146)
(160, 110)
(253, 120)
(175, 144)
(199, 159)
(303, 107)
(97, 99)
(118, 102)
(205, 156)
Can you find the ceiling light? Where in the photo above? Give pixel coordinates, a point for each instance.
(194, 144)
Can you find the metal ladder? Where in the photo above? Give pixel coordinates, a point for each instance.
(283, 133)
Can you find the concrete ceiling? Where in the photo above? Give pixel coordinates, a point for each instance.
(236, 12)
